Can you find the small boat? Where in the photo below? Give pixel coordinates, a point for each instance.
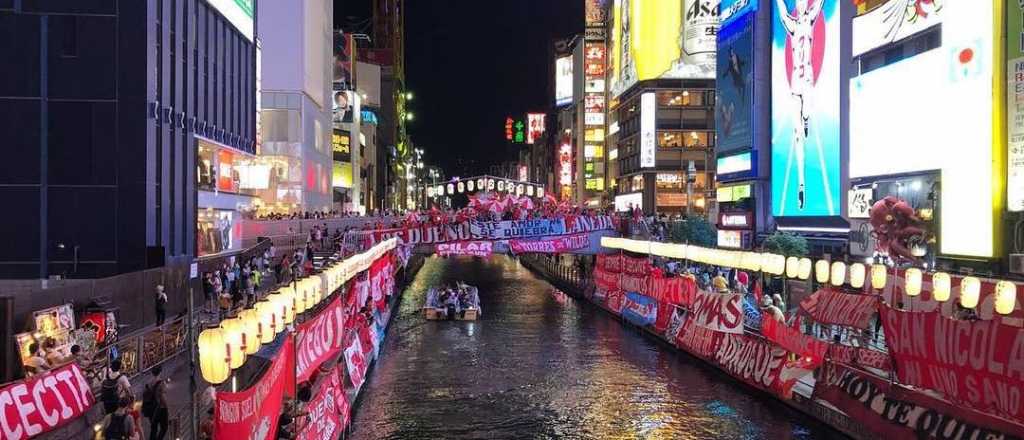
(461, 305)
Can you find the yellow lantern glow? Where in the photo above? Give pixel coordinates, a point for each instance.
(283, 307)
(792, 267)
(821, 271)
(838, 277)
(1006, 297)
(268, 321)
(214, 356)
(778, 264)
(912, 281)
(234, 335)
(857, 274)
(805, 269)
(940, 286)
(250, 330)
(879, 273)
(766, 262)
(970, 289)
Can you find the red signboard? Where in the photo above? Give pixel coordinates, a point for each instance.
(759, 363)
(809, 347)
(636, 266)
(856, 356)
(319, 339)
(324, 422)
(254, 413)
(356, 361)
(698, 341)
(827, 306)
(979, 364)
(42, 403)
(610, 263)
(892, 412)
(557, 245)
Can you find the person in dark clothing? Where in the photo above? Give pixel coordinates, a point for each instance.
(161, 305)
(158, 420)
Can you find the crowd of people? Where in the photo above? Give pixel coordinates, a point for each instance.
(455, 298)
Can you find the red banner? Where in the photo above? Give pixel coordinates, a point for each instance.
(605, 280)
(466, 248)
(319, 339)
(698, 341)
(979, 364)
(323, 421)
(253, 413)
(896, 412)
(557, 245)
(718, 311)
(809, 347)
(615, 300)
(43, 403)
(356, 361)
(632, 283)
(856, 356)
(664, 317)
(610, 263)
(760, 363)
(382, 281)
(640, 267)
(831, 307)
(673, 290)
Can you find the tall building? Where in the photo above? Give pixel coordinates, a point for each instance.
(388, 51)
(296, 101)
(661, 63)
(105, 106)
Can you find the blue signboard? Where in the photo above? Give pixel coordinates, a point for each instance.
(734, 9)
(639, 309)
(735, 85)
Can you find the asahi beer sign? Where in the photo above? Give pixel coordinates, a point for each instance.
(698, 37)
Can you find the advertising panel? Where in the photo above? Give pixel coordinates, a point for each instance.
(889, 21)
(344, 53)
(596, 14)
(626, 202)
(949, 90)
(734, 9)
(805, 109)
(536, 127)
(563, 84)
(648, 130)
(735, 86)
(1015, 105)
(662, 39)
(565, 165)
(739, 163)
(238, 12)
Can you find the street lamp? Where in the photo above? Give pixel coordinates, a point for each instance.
(408, 96)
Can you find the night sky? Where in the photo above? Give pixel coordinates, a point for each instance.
(470, 64)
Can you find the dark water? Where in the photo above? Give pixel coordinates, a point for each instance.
(540, 366)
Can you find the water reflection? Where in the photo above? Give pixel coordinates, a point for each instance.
(539, 366)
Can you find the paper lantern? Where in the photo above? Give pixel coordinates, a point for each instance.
(470, 185)
(805, 269)
(250, 320)
(501, 185)
(792, 267)
(520, 189)
(912, 281)
(480, 184)
(214, 356)
(878, 275)
(430, 191)
(838, 275)
(970, 289)
(283, 307)
(490, 184)
(461, 186)
(857, 274)
(529, 190)
(778, 265)
(1006, 297)
(821, 271)
(451, 189)
(234, 335)
(268, 321)
(540, 192)
(766, 261)
(941, 286)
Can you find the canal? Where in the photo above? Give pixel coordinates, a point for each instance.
(540, 365)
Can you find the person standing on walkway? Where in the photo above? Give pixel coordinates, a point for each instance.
(114, 388)
(161, 305)
(208, 289)
(119, 424)
(155, 407)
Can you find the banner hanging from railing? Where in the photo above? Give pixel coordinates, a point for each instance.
(43, 403)
(721, 312)
(811, 348)
(828, 306)
(551, 245)
(254, 413)
(319, 339)
(324, 410)
(639, 309)
(465, 248)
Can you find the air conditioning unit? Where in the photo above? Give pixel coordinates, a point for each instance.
(1017, 264)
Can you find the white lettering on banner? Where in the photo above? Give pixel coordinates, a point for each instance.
(551, 245)
(319, 339)
(630, 283)
(719, 312)
(838, 308)
(516, 228)
(756, 362)
(474, 248)
(43, 403)
(698, 340)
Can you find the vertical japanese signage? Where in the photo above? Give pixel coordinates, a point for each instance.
(648, 128)
(508, 128)
(536, 127)
(518, 131)
(595, 13)
(563, 80)
(1015, 105)
(565, 164)
(595, 56)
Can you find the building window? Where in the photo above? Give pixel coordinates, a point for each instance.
(638, 182)
(684, 98)
(679, 139)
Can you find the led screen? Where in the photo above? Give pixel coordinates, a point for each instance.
(933, 111)
(563, 80)
(805, 109)
(735, 85)
(662, 39)
(880, 23)
(733, 9)
(734, 164)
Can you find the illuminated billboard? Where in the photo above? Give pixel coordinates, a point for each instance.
(806, 132)
(734, 9)
(933, 111)
(595, 13)
(238, 12)
(565, 164)
(880, 23)
(648, 130)
(536, 127)
(735, 86)
(563, 80)
(662, 39)
(1015, 106)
